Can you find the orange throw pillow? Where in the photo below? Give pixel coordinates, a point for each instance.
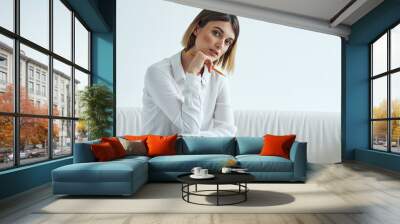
(277, 145)
(116, 145)
(103, 151)
(159, 145)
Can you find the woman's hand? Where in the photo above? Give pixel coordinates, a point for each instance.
(199, 60)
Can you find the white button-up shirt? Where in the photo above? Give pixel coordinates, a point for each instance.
(185, 104)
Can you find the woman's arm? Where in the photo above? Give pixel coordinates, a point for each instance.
(224, 124)
(183, 110)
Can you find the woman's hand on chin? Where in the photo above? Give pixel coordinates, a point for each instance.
(199, 59)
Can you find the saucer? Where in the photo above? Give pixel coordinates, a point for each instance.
(208, 176)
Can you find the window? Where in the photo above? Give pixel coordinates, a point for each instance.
(62, 75)
(385, 91)
(3, 78)
(30, 87)
(3, 61)
(6, 73)
(37, 74)
(43, 90)
(7, 14)
(62, 29)
(34, 21)
(37, 89)
(43, 77)
(81, 45)
(56, 127)
(30, 72)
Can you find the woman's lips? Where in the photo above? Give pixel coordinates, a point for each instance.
(213, 53)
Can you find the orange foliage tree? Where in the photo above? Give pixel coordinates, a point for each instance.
(379, 127)
(33, 130)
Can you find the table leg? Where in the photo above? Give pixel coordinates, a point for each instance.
(196, 188)
(245, 193)
(217, 194)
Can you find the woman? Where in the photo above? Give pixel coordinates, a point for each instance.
(185, 94)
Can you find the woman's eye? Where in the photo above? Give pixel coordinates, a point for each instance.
(216, 33)
(228, 42)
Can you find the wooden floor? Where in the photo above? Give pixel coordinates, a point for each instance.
(378, 188)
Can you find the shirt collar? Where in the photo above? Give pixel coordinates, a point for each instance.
(179, 73)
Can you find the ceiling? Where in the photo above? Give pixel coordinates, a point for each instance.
(326, 16)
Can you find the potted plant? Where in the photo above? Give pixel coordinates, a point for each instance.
(96, 102)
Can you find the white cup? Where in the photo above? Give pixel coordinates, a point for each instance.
(203, 172)
(196, 170)
(226, 170)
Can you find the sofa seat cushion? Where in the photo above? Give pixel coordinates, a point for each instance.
(257, 163)
(112, 171)
(185, 163)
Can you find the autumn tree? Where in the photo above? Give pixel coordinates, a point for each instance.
(33, 131)
(380, 127)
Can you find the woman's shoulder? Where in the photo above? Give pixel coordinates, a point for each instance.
(162, 66)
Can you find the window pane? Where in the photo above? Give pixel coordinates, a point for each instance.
(7, 14)
(33, 140)
(379, 55)
(395, 47)
(34, 79)
(62, 89)
(379, 100)
(81, 131)
(395, 136)
(62, 137)
(6, 74)
(81, 45)
(395, 94)
(35, 21)
(6, 142)
(379, 135)
(81, 81)
(62, 29)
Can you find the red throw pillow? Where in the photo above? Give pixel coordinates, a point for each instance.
(116, 145)
(159, 145)
(103, 151)
(277, 145)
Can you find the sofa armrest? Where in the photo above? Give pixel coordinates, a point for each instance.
(298, 155)
(83, 152)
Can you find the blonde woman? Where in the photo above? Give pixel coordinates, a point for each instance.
(186, 94)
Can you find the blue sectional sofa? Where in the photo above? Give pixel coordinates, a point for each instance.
(125, 176)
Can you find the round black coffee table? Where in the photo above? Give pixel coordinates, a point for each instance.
(238, 179)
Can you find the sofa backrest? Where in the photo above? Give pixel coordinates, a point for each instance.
(249, 145)
(192, 145)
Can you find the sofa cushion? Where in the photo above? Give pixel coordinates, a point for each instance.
(116, 145)
(185, 163)
(257, 163)
(196, 145)
(103, 152)
(249, 145)
(277, 145)
(111, 171)
(134, 147)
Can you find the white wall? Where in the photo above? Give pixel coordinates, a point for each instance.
(277, 67)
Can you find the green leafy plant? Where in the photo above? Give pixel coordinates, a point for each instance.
(96, 102)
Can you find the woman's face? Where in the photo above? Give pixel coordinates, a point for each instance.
(214, 39)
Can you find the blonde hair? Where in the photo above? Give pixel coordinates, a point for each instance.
(227, 61)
